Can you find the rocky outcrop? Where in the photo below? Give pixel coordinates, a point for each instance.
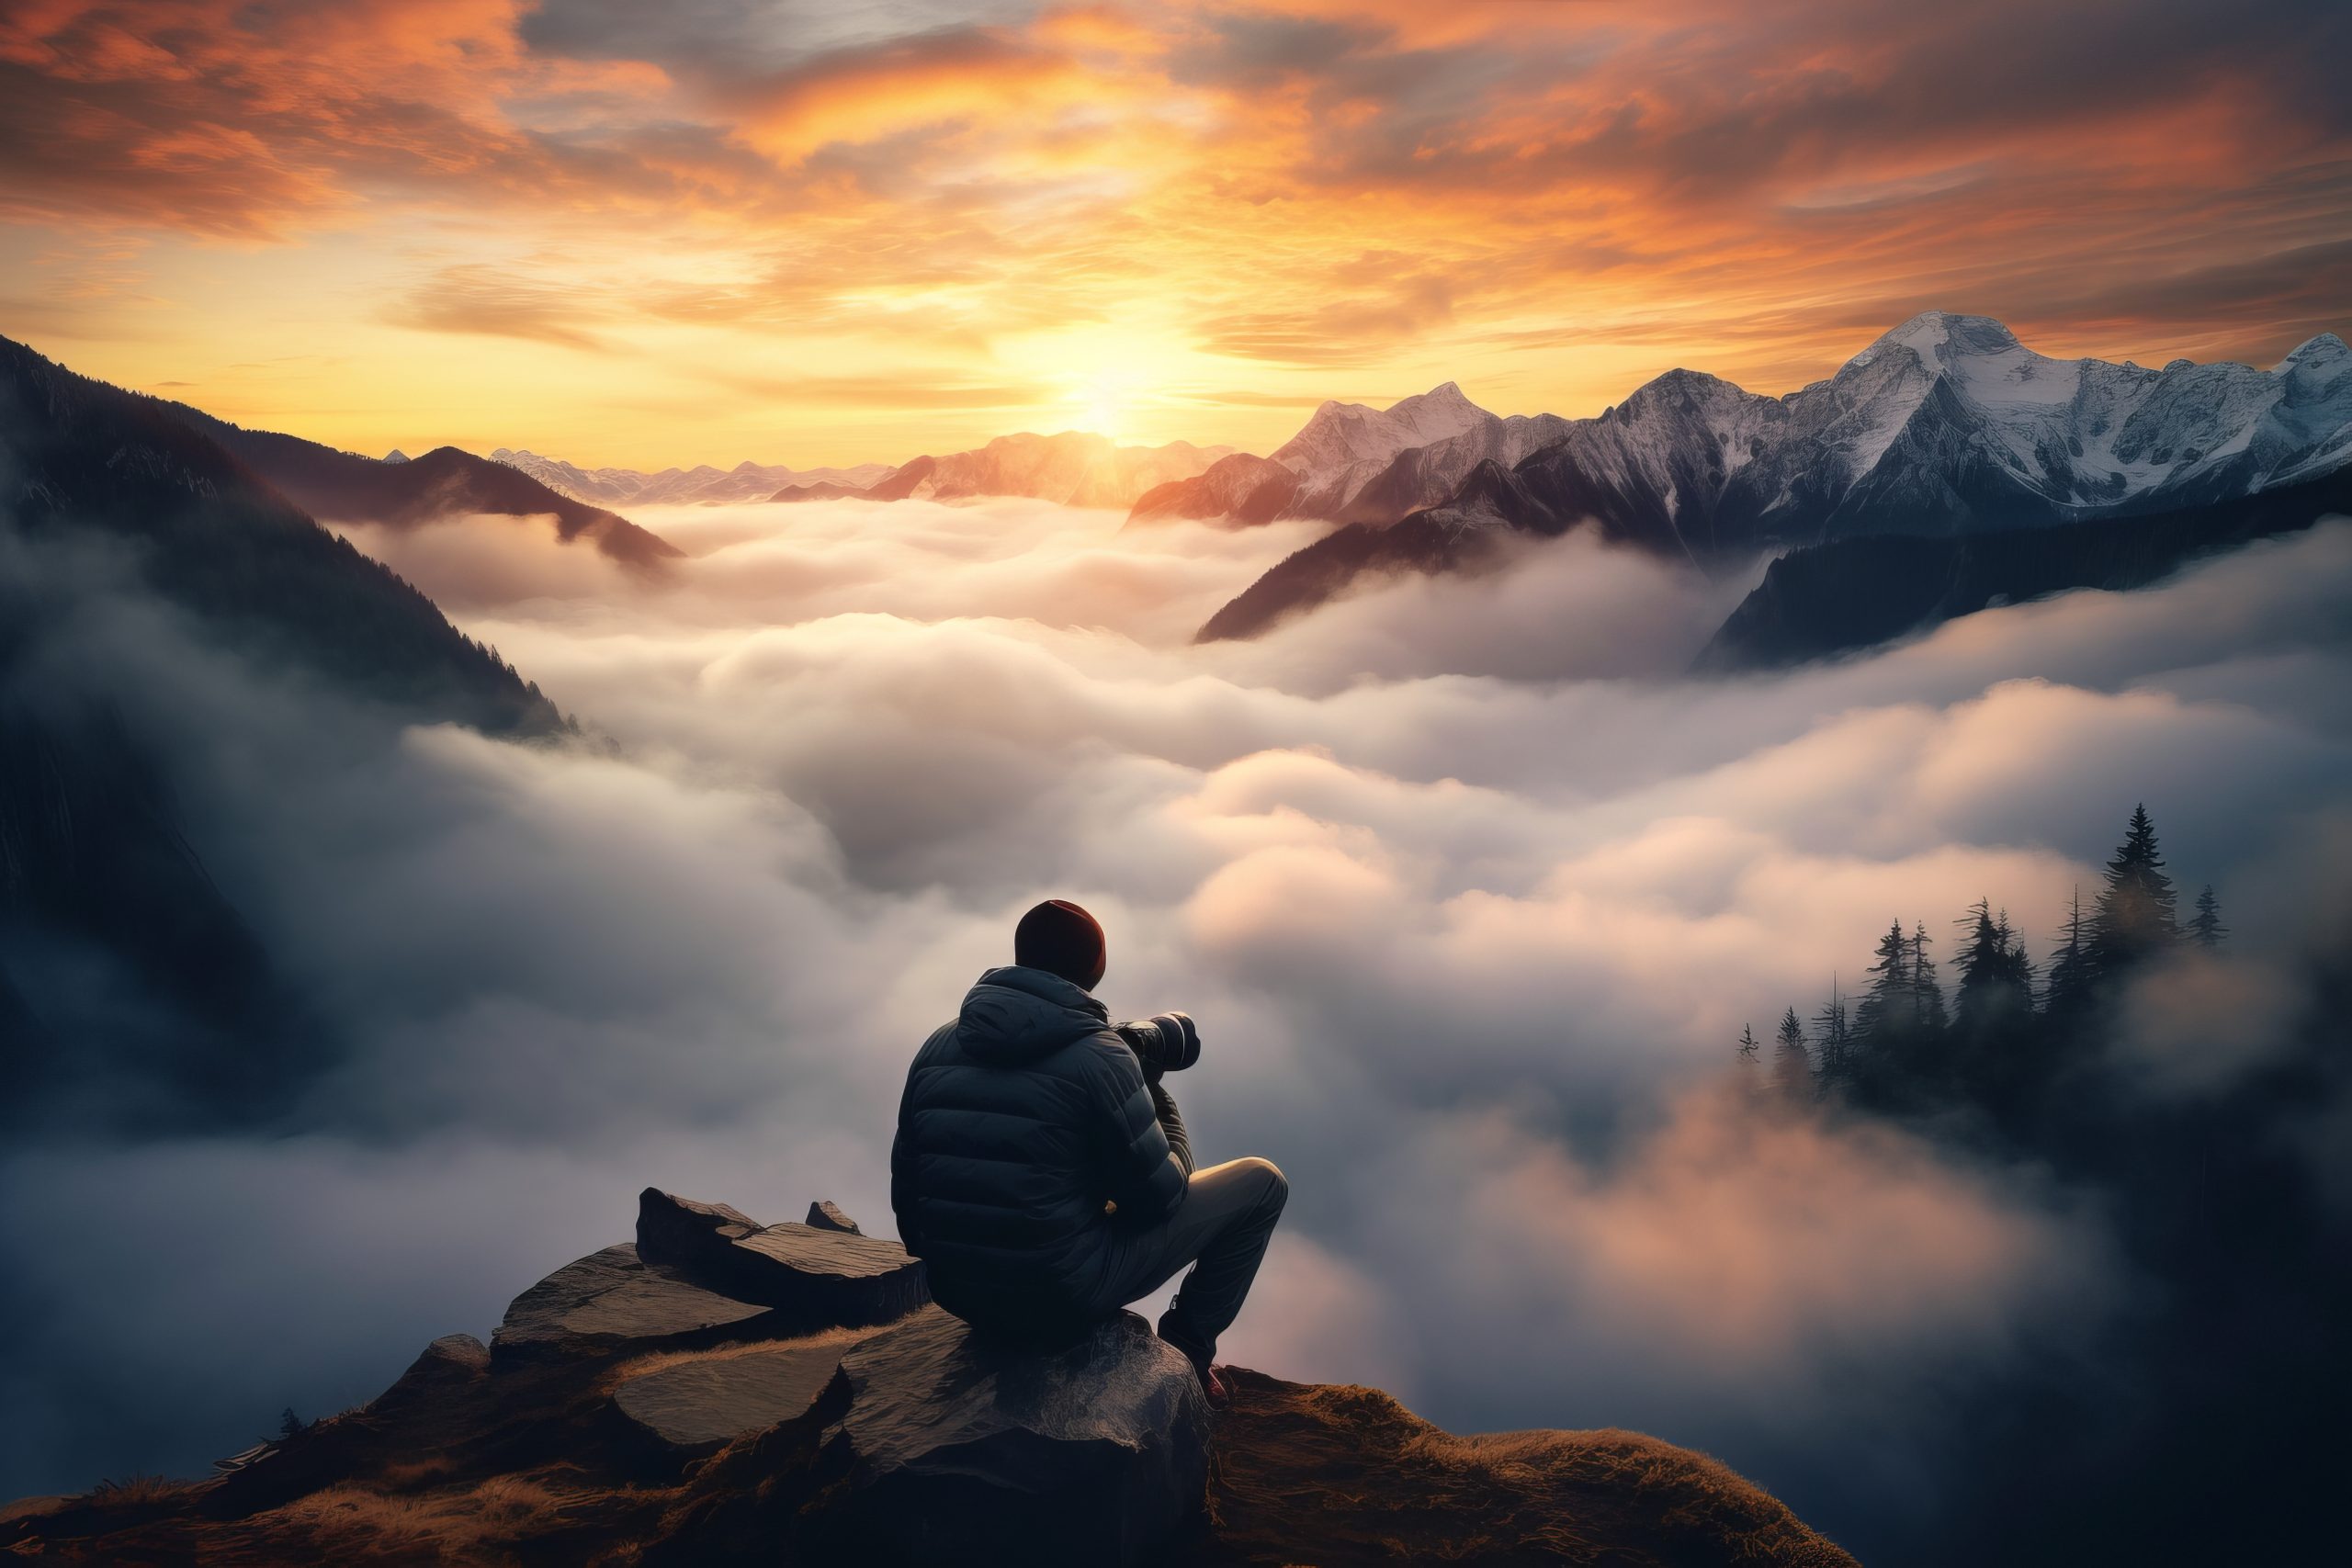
(953, 1447)
(817, 1276)
(629, 1414)
(612, 1300)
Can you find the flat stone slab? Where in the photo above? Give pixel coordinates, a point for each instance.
(612, 1301)
(817, 1276)
(956, 1448)
(698, 1406)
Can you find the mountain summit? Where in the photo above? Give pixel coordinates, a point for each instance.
(1353, 462)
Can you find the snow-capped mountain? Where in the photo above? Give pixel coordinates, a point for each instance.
(1346, 450)
(677, 487)
(1945, 425)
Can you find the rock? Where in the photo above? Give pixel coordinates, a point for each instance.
(826, 1215)
(818, 1277)
(692, 1407)
(957, 1448)
(612, 1301)
(449, 1363)
(670, 1229)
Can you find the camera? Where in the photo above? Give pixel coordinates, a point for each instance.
(1164, 1043)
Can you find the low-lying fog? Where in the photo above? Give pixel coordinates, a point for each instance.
(1470, 892)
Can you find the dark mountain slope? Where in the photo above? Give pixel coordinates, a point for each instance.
(344, 487)
(1856, 593)
(1327, 567)
(131, 988)
(81, 459)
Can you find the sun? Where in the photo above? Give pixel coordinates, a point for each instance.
(1100, 405)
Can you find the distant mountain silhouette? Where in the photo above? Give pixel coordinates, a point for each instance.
(344, 486)
(681, 487)
(1075, 468)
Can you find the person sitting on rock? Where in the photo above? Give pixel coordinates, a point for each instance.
(1043, 1174)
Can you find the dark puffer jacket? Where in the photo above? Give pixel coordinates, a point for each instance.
(1019, 1119)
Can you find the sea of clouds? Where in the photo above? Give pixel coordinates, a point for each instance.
(1470, 889)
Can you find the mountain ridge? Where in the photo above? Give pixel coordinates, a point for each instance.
(1069, 467)
(346, 486)
(1945, 424)
(702, 484)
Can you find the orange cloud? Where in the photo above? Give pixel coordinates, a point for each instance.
(1549, 203)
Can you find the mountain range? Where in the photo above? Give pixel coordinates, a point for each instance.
(1945, 427)
(344, 486)
(1075, 468)
(701, 485)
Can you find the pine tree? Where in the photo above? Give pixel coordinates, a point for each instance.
(1836, 1061)
(2135, 914)
(1791, 1062)
(2070, 969)
(1996, 977)
(2207, 928)
(1926, 994)
(1746, 1048)
(1883, 1017)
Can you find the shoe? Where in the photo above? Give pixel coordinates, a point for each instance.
(1219, 1392)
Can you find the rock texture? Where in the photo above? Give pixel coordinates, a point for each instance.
(612, 1301)
(696, 1407)
(955, 1449)
(818, 1276)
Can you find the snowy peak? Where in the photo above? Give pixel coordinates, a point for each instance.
(2322, 358)
(1341, 436)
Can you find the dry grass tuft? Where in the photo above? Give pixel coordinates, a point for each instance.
(140, 1492)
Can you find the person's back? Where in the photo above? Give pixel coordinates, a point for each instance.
(1042, 1171)
(1021, 1120)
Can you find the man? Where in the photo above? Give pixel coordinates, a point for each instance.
(1043, 1174)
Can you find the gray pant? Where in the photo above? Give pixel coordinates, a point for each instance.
(1221, 1228)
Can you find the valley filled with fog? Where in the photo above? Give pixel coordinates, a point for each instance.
(1470, 887)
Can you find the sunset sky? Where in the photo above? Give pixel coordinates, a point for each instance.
(811, 233)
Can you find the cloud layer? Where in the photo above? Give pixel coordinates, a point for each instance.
(1470, 891)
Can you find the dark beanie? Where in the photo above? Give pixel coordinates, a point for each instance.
(1061, 938)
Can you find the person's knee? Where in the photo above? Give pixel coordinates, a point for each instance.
(1273, 1185)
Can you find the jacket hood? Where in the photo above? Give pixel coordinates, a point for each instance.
(1016, 1014)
